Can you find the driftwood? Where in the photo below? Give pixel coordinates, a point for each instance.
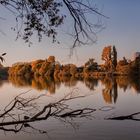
(20, 112)
(126, 117)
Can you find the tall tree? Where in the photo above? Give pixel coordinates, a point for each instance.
(109, 55)
(106, 56)
(43, 17)
(114, 57)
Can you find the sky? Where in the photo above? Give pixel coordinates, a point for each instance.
(122, 29)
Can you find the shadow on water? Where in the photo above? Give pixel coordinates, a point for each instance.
(109, 88)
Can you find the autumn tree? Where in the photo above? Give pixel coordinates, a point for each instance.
(106, 56)
(109, 55)
(110, 92)
(91, 65)
(44, 17)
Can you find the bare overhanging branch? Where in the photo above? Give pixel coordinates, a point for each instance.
(43, 17)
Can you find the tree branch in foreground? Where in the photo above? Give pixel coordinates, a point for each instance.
(20, 112)
(44, 17)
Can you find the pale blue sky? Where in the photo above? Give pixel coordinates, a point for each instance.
(122, 30)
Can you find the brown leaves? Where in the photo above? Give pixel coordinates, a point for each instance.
(106, 54)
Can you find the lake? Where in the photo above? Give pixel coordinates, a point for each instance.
(109, 96)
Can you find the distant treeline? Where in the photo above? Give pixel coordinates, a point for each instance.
(52, 68)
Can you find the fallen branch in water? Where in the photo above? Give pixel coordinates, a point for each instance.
(126, 117)
(22, 111)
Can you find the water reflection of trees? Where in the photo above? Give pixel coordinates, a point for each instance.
(132, 82)
(50, 84)
(109, 91)
(91, 83)
(2, 82)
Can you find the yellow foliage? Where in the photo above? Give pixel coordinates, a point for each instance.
(107, 97)
(51, 59)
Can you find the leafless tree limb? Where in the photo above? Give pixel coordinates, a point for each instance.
(22, 118)
(43, 17)
(126, 117)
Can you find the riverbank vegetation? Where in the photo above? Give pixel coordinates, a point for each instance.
(52, 68)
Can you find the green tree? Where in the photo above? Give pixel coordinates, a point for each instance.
(114, 57)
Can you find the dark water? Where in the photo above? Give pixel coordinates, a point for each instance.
(111, 97)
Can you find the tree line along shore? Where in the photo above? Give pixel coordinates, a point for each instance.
(52, 68)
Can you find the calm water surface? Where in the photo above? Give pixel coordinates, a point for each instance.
(109, 96)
